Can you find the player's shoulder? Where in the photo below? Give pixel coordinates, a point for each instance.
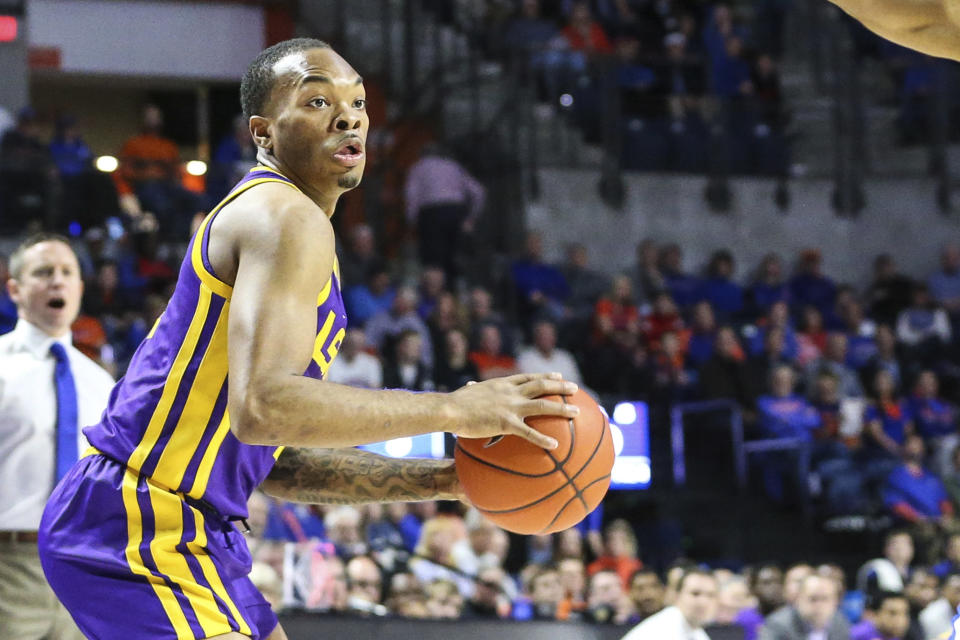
(273, 210)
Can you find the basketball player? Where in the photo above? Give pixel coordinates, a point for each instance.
(139, 540)
(929, 26)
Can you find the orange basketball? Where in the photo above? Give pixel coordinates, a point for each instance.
(527, 489)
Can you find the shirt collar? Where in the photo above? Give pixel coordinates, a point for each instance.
(37, 341)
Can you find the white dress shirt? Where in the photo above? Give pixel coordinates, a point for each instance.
(28, 419)
(532, 360)
(668, 624)
(363, 371)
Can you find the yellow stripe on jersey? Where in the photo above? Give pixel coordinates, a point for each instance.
(172, 385)
(168, 509)
(134, 536)
(209, 457)
(198, 549)
(277, 452)
(209, 379)
(214, 283)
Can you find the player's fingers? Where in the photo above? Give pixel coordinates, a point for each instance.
(521, 378)
(547, 387)
(544, 407)
(519, 428)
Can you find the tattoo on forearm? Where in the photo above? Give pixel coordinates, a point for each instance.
(351, 476)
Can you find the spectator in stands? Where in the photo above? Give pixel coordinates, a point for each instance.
(860, 335)
(234, 156)
(812, 339)
(832, 454)
(8, 308)
(887, 617)
(584, 34)
(758, 368)
(934, 419)
(937, 618)
(793, 580)
(540, 288)
(455, 369)
(834, 360)
(766, 584)
(945, 284)
(444, 600)
(447, 315)
(489, 600)
(647, 277)
(683, 287)
(809, 286)
(443, 201)
(544, 356)
(923, 329)
(815, 614)
(702, 334)
(724, 374)
(695, 606)
(777, 317)
(403, 586)
(342, 525)
(384, 328)
(768, 286)
(489, 358)
(433, 559)
(637, 82)
(951, 562)
(734, 605)
(921, 589)
(359, 256)
(616, 312)
(546, 593)
(915, 495)
(606, 601)
(681, 76)
(69, 152)
(432, 286)
(481, 313)
(885, 359)
(890, 292)
(619, 552)
(671, 377)
(573, 577)
(646, 593)
(887, 420)
(586, 288)
(765, 81)
(664, 318)
(405, 369)
(150, 173)
(355, 367)
(731, 70)
(364, 584)
(21, 148)
(783, 413)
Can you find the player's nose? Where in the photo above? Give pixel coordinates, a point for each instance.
(346, 121)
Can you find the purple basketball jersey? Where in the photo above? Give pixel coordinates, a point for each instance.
(167, 418)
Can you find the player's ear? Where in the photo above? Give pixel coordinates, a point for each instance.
(260, 130)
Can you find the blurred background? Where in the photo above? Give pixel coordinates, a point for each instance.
(732, 222)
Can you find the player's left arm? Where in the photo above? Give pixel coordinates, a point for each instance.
(929, 26)
(353, 476)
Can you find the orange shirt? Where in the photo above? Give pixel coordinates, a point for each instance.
(146, 157)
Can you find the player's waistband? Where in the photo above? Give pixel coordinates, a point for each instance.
(209, 511)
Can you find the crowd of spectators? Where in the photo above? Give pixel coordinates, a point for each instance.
(679, 69)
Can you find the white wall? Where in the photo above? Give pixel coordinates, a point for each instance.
(901, 218)
(137, 38)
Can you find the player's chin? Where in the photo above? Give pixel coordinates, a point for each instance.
(351, 179)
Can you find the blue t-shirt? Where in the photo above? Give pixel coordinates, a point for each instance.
(818, 291)
(860, 350)
(724, 296)
(789, 417)
(362, 304)
(923, 493)
(684, 288)
(894, 421)
(293, 523)
(765, 295)
(933, 417)
(791, 347)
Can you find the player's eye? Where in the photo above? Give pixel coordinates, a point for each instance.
(320, 103)
(360, 103)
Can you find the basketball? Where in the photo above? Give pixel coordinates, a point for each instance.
(527, 489)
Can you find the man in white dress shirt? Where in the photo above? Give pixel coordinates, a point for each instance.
(355, 367)
(544, 356)
(695, 606)
(48, 392)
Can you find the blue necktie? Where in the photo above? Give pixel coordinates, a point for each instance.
(66, 411)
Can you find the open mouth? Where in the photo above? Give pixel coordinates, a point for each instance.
(57, 303)
(350, 153)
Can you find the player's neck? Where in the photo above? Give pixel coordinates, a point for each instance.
(326, 200)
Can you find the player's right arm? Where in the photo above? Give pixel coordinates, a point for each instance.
(929, 26)
(284, 255)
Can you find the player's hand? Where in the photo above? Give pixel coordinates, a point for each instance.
(498, 406)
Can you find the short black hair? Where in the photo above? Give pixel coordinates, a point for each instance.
(695, 571)
(875, 603)
(258, 81)
(16, 258)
